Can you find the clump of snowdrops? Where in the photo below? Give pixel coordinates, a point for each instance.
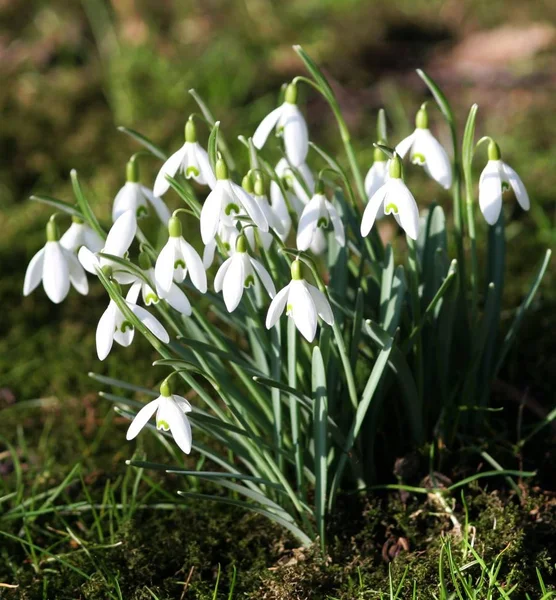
(310, 352)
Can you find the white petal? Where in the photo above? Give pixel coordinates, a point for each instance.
(33, 275)
(264, 277)
(408, 211)
(150, 322)
(322, 305)
(170, 167)
(403, 147)
(303, 310)
(141, 419)
(121, 234)
(182, 403)
(280, 209)
(92, 240)
(265, 127)
(296, 136)
(277, 306)
(375, 203)
(207, 176)
(178, 300)
(211, 213)
(437, 164)
(76, 273)
(133, 292)
(55, 272)
(74, 237)
(318, 244)
(490, 191)
(105, 331)
(180, 427)
(88, 260)
(376, 178)
(158, 204)
(234, 281)
(194, 266)
(208, 254)
(251, 206)
(308, 222)
(339, 232)
(126, 199)
(164, 267)
(517, 185)
(221, 273)
(124, 332)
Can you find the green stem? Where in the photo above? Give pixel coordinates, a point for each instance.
(416, 310)
(294, 406)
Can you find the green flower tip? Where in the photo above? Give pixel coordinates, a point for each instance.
(379, 155)
(422, 118)
(174, 227)
(297, 270)
(396, 167)
(241, 244)
(145, 261)
(77, 220)
(165, 388)
(494, 151)
(291, 94)
(260, 188)
(52, 231)
(132, 171)
(319, 187)
(221, 169)
(247, 183)
(190, 131)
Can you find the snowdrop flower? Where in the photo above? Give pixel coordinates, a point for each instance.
(176, 260)
(79, 234)
(137, 198)
(303, 302)
(191, 160)
(378, 173)
(170, 416)
(318, 213)
(237, 273)
(57, 267)
(289, 121)
(226, 200)
(393, 198)
(426, 151)
(258, 193)
(228, 236)
(175, 297)
(114, 327)
(117, 243)
(497, 177)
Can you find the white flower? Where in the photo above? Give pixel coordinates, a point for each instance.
(393, 198)
(237, 273)
(114, 327)
(175, 297)
(258, 193)
(170, 416)
(426, 151)
(318, 213)
(177, 259)
(57, 267)
(303, 302)
(288, 120)
(495, 178)
(79, 234)
(117, 243)
(226, 200)
(377, 175)
(191, 160)
(228, 236)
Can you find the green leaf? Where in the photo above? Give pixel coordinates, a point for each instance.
(439, 96)
(213, 145)
(381, 129)
(435, 240)
(124, 385)
(357, 327)
(144, 141)
(320, 433)
(58, 204)
(468, 145)
(84, 205)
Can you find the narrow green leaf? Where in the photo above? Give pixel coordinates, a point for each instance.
(84, 205)
(320, 433)
(213, 145)
(439, 96)
(144, 141)
(124, 385)
(381, 129)
(58, 204)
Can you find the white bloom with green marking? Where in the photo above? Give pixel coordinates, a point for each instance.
(191, 160)
(80, 234)
(318, 214)
(171, 416)
(425, 150)
(393, 198)
(177, 259)
(57, 268)
(496, 178)
(238, 273)
(225, 203)
(118, 241)
(113, 326)
(228, 236)
(290, 123)
(303, 302)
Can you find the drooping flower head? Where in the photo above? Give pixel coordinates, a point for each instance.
(426, 151)
(290, 123)
(393, 198)
(303, 303)
(238, 273)
(496, 178)
(257, 190)
(56, 267)
(378, 173)
(228, 236)
(138, 198)
(80, 234)
(171, 416)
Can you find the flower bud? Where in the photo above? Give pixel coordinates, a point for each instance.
(422, 118)
(247, 183)
(221, 170)
(379, 155)
(291, 94)
(132, 171)
(145, 261)
(174, 227)
(494, 151)
(260, 188)
(297, 270)
(190, 131)
(52, 231)
(241, 244)
(165, 388)
(396, 167)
